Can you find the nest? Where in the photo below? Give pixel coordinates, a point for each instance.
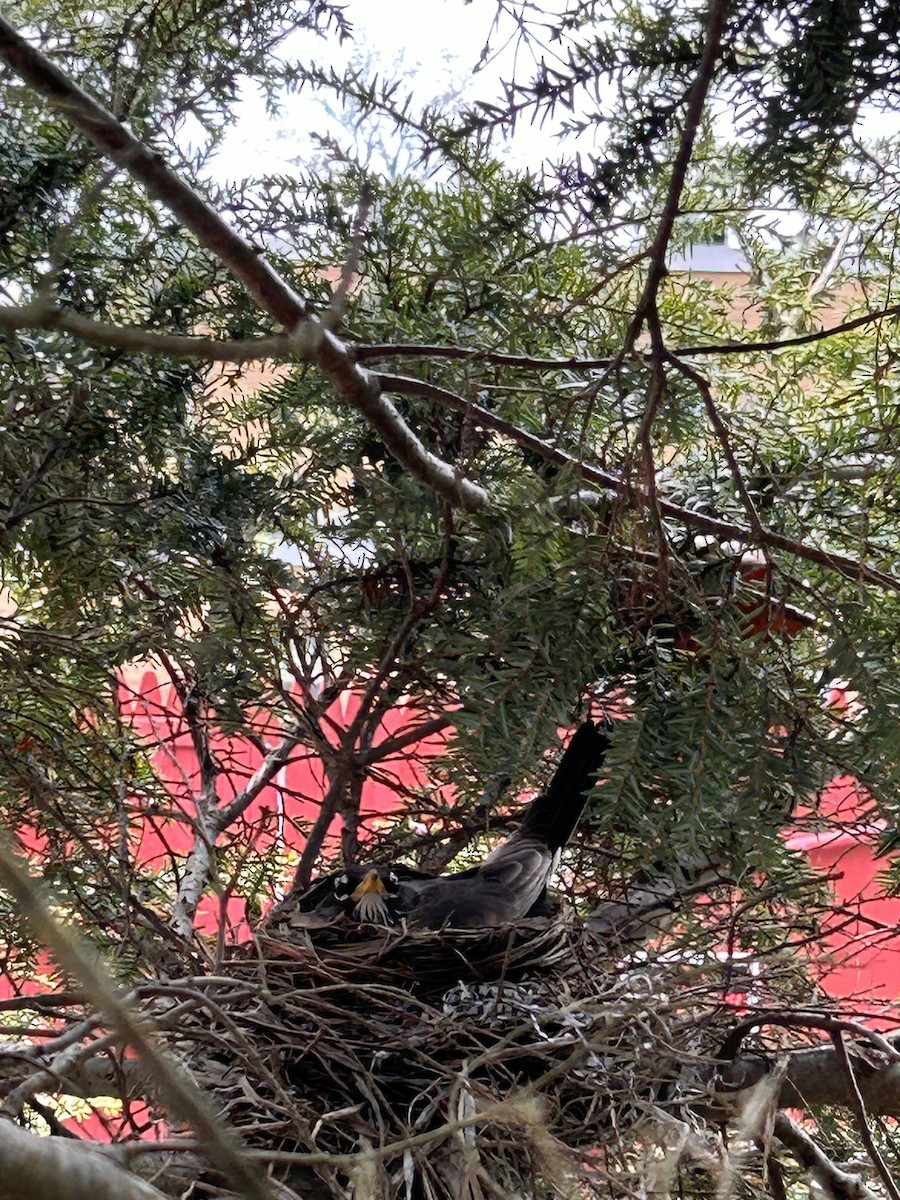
(431, 1066)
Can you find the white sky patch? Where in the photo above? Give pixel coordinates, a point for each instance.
(434, 48)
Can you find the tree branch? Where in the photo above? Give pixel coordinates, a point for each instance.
(173, 1084)
(527, 362)
(724, 436)
(858, 1105)
(40, 314)
(813, 1078)
(57, 1168)
(699, 89)
(200, 865)
(850, 568)
(353, 384)
(836, 1183)
(328, 807)
(261, 778)
(409, 737)
(43, 314)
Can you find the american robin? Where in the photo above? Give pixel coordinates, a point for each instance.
(510, 883)
(362, 893)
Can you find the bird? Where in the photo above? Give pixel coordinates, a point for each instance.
(366, 894)
(509, 884)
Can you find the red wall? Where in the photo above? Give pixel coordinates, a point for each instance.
(860, 956)
(284, 811)
(858, 960)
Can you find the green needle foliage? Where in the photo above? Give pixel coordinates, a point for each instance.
(691, 482)
(258, 542)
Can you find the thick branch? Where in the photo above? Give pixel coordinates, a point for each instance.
(86, 1072)
(836, 1183)
(813, 1079)
(353, 384)
(111, 137)
(858, 1105)
(56, 1071)
(57, 1168)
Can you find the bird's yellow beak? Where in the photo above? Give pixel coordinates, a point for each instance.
(371, 884)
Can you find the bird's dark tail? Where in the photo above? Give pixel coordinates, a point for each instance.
(555, 812)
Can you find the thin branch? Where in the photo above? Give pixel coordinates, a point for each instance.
(393, 745)
(276, 758)
(647, 310)
(699, 89)
(201, 861)
(850, 568)
(656, 395)
(724, 436)
(525, 362)
(822, 280)
(805, 1019)
(353, 384)
(801, 339)
(351, 757)
(439, 851)
(41, 314)
(337, 308)
(281, 347)
(20, 514)
(514, 1110)
(328, 807)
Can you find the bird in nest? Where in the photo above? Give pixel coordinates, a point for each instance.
(510, 883)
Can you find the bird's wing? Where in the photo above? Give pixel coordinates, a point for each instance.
(522, 863)
(501, 889)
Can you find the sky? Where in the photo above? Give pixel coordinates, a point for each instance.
(436, 43)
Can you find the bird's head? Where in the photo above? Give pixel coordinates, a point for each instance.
(370, 889)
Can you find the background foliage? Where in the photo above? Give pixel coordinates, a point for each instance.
(259, 544)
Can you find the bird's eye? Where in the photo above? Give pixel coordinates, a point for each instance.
(392, 878)
(342, 881)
